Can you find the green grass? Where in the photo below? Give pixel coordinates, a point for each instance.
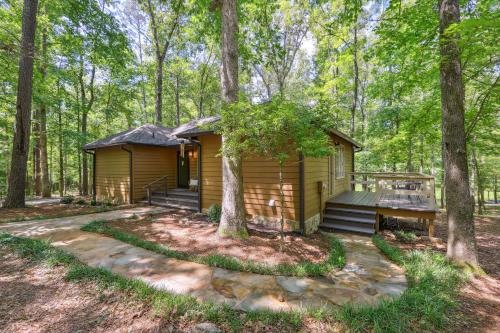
(427, 304)
(164, 304)
(335, 260)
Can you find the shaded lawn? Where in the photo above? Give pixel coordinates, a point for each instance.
(46, 211)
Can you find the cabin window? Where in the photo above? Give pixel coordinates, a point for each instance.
(339, 162)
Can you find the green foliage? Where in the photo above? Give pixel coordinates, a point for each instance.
(67, 199)
(80, 201)
(405, 236)
(434, 282)
(214, 213)
(335, 260)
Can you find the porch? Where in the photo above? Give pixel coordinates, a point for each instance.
(374, 195)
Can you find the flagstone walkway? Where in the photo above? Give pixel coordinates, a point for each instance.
(367, 277)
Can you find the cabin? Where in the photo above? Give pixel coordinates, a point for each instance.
(181, 167)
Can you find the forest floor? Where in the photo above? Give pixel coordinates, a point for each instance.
(480, 298)
(192, 233)
(52, 210)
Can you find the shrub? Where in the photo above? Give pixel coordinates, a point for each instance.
(405, 237)
(214, 213)
(94, 202)
(67, 199)
(80, 201)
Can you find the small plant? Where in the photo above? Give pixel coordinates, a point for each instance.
(214, 213)
(67, 199)
(94, 202)
(405, 237)
(80, 201)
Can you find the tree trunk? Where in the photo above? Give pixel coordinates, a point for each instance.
(177, 103)
(233, 210)
(461, 234)
(356, 80)
(37, 170)
(61, 156)
(495, 189)
(477, 178)
(20, 147)
(43, 124)
(159, 90)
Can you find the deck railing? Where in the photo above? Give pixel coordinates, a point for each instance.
(412, 183)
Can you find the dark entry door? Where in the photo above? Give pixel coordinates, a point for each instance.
(182, 170)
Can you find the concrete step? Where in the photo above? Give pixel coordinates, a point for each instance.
(170, 204)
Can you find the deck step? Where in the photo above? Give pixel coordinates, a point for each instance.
(334, 226)
(351, 211)
(360, 220)
(178, 200)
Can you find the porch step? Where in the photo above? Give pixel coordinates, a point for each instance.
(176, 200)
(349, 219)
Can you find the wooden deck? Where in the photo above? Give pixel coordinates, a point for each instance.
(409, 202)
(383, 194)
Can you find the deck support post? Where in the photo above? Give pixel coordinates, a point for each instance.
(377, 222)
(431, 227)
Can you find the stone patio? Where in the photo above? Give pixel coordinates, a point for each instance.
(367, 277)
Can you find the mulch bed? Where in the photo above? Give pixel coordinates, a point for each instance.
(192, 233)
(48, 211)
(479, 309)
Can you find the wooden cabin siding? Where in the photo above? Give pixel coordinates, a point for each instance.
(318, 169)
(151, 163)
(261, 182)
(112, 175)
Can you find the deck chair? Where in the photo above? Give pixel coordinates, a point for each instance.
(193, 185)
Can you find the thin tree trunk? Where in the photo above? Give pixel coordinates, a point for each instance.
(37, 170)
(60, 147)
(159, 90)
(20, 147)
(495, 189)
(233, 210)
(43, 124)
(177, 102)
(461, 234)
(477, 178)
(356, 80)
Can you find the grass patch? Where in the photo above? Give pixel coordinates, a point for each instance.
(427, 304)
(164, 303)
(335, 260)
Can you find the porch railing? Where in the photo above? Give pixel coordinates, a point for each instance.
(411, 183)
(160, 183)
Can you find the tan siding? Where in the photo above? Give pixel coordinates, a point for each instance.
(261, 182)
(318, 170)
(151, 163)
(112, 175)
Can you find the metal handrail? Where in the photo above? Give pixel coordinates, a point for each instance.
(150, 186)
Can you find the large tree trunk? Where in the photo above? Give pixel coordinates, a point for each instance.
(461, 235)
(233, 210)
(20, 146)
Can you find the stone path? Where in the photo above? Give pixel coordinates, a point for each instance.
(367, 277)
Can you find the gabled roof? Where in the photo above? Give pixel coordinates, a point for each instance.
(154, 135)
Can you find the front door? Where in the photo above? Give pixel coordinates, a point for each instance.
(182, 170)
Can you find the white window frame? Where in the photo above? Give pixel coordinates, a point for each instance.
(339, 161)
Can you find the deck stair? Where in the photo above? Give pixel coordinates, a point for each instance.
(176, 198)
(352, 219)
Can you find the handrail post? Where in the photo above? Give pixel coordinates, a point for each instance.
(149, 195)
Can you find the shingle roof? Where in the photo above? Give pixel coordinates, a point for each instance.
(163, 136)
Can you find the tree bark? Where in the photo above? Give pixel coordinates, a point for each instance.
(233, 210)
(477, 178)
(20, 147)
(461, 234)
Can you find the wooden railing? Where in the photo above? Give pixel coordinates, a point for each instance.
(160, 183)
(394, 183)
